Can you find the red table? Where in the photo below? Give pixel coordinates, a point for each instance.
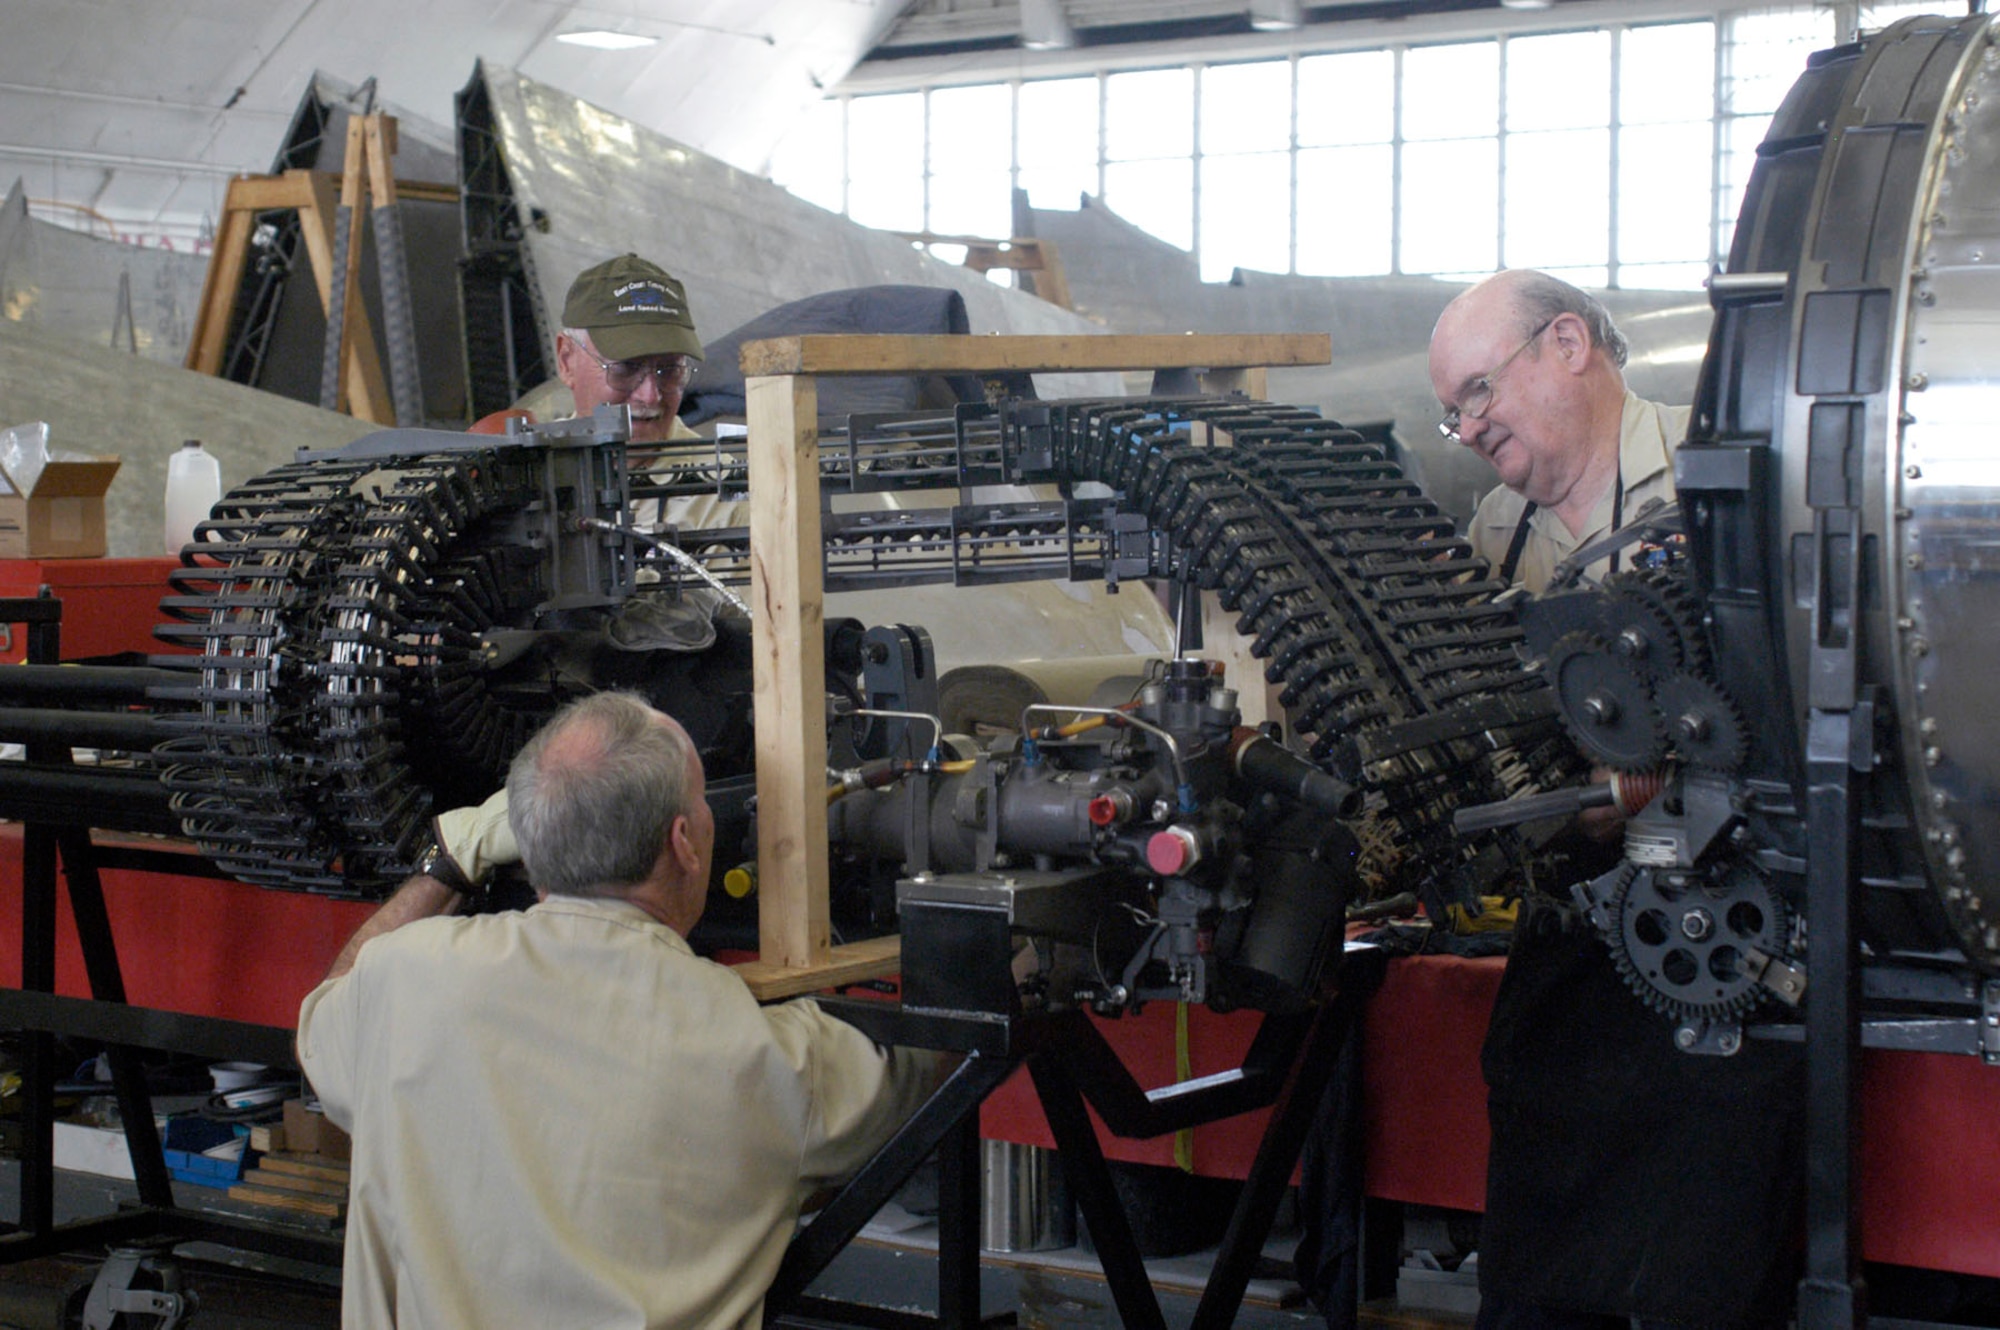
(1930, 1149)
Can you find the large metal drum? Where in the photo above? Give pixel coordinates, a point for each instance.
(1843, 474)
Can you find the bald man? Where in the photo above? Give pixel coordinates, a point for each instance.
(1627, 1179)
(1530, 371)
(561, 1116)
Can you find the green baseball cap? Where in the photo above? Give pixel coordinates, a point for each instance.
(631, 308)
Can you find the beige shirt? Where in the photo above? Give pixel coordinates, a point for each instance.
(1648, 434)
(563, 1117)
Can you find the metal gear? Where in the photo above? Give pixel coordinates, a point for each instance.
(1606, 704)
(1704, 724)
(1660, 605)
(1680, 939)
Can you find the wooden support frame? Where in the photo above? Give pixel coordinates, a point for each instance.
(313, 195)
(787, 589)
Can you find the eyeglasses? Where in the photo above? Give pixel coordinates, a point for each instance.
(624, 376)
(1478, 399)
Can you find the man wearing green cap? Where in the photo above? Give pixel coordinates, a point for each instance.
(629, 339)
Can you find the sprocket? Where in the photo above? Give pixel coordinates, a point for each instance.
(1680, 939)
(1704, 724)
(1606, 704)
(1662, 606)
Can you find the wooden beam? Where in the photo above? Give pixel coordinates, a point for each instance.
(850, 964)
(789, 671)
(262, 193)
(364, 383)
(898, 354)
(219, 286)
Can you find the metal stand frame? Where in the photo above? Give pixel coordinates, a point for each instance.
(1286, 1069)
(36, 1010)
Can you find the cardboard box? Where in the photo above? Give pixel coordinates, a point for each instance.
(60, 514)
(307, 1132)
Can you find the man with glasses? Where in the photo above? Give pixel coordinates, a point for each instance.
(628, 338)
(1531, 374)
(1626, 1179)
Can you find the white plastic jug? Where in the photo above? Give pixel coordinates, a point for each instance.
(194, 483)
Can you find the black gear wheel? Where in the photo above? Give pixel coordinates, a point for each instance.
(1642, 626)
(1606, 704)
(1661, 604)
(1704, 725)
(1680, 939)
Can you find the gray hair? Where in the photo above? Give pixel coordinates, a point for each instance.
(595, 793)
(1540, 298)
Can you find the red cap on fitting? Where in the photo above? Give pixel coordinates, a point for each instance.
(1106, 809)
(1173, 851)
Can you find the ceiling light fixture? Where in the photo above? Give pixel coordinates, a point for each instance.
(1275, 15)
(1044, 26)
(1526, 4)
(599, 39)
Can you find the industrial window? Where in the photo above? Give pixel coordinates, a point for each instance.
(1615, 155)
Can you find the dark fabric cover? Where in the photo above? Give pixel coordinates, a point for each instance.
(718, 389)
(1327, 1261)
(1627, 1177)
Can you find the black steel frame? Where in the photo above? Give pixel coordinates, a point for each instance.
(1287, 1069)
(36, 1011)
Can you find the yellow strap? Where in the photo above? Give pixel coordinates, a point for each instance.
(1183, 1070)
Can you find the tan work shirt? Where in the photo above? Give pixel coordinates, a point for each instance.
(1648, 434)
(563, 1117)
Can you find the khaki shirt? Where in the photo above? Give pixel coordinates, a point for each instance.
(562, 1117)
(1648, 434)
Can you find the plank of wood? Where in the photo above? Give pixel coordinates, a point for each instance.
(794, 926)
(293, 189)
(306, 1166)
(847, 964)
(292, 1182)
(881, 353)
(287, 1200)
(219, 286)
(364, 383)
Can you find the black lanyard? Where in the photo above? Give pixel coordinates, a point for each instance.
(1520, 540)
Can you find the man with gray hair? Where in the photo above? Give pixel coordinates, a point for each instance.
(1531, 373)
(629, 337)
(562, 1116)
(1626, 1179)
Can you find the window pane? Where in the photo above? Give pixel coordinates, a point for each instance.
(1451, 92)
(1149, 114)
(1156, 197)
(1449, 206)
(1559, 82)
(1058, 125)
(1740, 138)
(1345, 210)
(1662, 276)
(1665, 73)
(1876, 17)
(886, 135)
(808, 161)
(1246, 108)
(1059, 186)
(972, 126)
(1663, 193)
(1245, 214)
(1347, 98)
(1766, 53)
(972, 203)
(1586, 275)
(1558, 198)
